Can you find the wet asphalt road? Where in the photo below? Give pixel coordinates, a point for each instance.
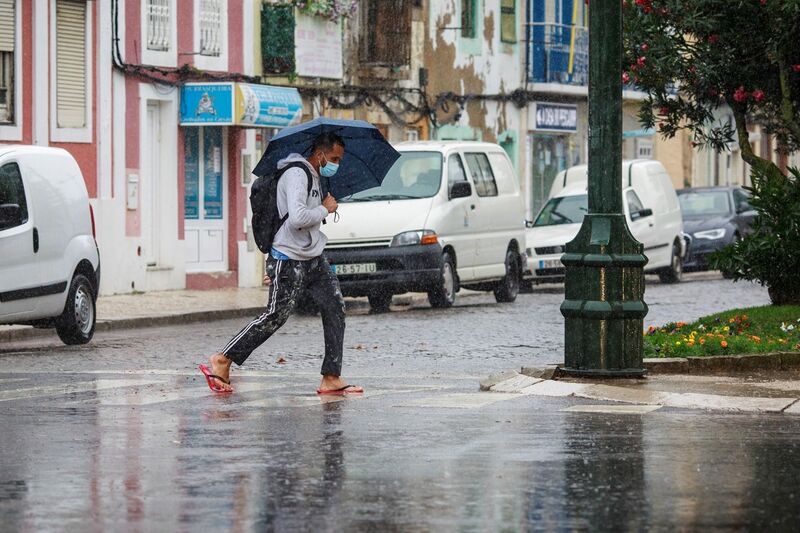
(122, 434)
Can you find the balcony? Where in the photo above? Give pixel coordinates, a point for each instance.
(558, 53)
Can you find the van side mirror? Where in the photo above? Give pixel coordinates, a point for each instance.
(460, 189)
(642, 213)
(10, 216)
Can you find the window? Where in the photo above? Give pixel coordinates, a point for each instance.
(159, 24)
(210, 27)
(387, 33)
(508, 21)
(71, 69)
(482, 174)
(634, 205)
(413, 175)
(455, 170)
(12, 192)
(563, 210)
(468, 18)
(7, 42)
(277, 39)
(742, 201)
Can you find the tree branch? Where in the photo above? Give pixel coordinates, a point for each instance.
(787, 109)
(765, 165)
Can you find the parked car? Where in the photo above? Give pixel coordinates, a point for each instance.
(713, 217)
(50, 264)
(650, 206)
(448, 215)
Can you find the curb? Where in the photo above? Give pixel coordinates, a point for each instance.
(720, 363)
(139, 322)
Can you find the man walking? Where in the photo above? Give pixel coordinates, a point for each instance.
(296, 264)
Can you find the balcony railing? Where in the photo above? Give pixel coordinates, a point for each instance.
(558, 53)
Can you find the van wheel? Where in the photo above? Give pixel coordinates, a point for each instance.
(444, 295)
(379, 302)
(76, 323)
(507, 289)
(674, 272)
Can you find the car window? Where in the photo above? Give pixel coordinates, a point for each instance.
(413, 175)
(634, 204)
(12, 191)
(563, 210)
(742, 200)
(704, 203)
(482, 175)
(455, 170)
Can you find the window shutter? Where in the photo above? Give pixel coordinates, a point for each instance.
(7, 24)
(508, 21)
(71, 63)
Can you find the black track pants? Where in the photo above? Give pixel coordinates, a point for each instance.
(289, 280)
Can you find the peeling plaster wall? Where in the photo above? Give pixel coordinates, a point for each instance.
(483, 65)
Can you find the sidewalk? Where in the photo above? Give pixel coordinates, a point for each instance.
(161, 308)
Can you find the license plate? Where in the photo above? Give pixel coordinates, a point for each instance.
(550, 263)
(355, 268)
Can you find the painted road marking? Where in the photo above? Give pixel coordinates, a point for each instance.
(613, 409)
(72, 388)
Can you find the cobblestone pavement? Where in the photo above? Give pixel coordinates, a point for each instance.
(123, 434)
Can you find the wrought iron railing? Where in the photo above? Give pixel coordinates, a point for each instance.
(558, 53)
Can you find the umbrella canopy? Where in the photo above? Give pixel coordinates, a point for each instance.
(367, 154)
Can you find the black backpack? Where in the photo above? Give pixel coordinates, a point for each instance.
(264, 204)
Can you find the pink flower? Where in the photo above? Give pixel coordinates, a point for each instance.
(740, 95)
(663, 111)
(713, 38)
(640, 61)
(645, 47)
(796, 68)
(626, 78)
(758, 95)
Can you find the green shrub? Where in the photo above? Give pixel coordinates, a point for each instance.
(771, 254)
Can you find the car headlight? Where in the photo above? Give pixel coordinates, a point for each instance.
(710, 234)
(411, 238)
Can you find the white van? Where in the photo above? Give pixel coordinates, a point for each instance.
(651, 208)
(448, 215)
(49, 262)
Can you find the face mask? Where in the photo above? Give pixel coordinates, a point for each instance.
(329, 169)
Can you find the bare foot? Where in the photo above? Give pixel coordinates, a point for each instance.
(336, 383)
(221, 366)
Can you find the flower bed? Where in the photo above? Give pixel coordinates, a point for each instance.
(739, 331)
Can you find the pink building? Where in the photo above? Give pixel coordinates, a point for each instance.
(151, 98)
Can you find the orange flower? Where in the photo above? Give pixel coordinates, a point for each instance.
(680, 324)
(702, 340)
(756, 338)
(724, 344)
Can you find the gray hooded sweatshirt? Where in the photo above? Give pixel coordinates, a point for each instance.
(300, 237)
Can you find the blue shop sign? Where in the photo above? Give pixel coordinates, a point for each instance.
(556, 117)
(240, 104)
(207, 103)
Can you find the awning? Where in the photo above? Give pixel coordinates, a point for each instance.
(240, 104)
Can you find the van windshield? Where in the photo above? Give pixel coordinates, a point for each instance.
(705, 203)
(414, 175)
(563, 210)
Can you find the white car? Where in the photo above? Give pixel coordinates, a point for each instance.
(50, 264)
(651, 208)
(449, 214)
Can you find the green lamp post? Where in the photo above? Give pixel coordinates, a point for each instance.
(604, 303)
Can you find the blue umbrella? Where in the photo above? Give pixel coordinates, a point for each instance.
(367, 154)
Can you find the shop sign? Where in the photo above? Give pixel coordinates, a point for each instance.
(318, 47)
(555, 117)
(239, 104)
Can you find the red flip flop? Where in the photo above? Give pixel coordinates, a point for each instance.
(347, 389)
(210, 380)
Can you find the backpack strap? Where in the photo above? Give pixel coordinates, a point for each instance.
(309, 184)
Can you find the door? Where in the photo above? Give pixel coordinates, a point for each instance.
(149, 186)
(455, 223)
(204, 200)
(642, 227)
(551, 155)
(18, 262)
(490, 252)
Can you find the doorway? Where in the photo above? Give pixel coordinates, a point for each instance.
(150, 186)
(551, 155)
(205, 212)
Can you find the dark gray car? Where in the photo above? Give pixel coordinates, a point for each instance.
(713, 217)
